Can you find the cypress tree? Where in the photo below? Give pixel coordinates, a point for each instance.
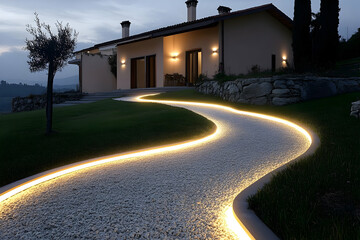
(325, 51)
(301, 35)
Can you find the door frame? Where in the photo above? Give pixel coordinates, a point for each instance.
(133, 71)
(147, 71)
(187, 64)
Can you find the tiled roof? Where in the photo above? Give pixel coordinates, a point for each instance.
(198, 24)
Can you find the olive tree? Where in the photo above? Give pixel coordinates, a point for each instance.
(51, 51)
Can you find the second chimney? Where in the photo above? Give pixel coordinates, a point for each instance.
(223, 10)
(191, 6)
(125, 29)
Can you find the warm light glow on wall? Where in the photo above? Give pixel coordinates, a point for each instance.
(214, 51)
(284, 61)
(175, 56)
(123, 63)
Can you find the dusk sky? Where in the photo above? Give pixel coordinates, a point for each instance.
(99, 21)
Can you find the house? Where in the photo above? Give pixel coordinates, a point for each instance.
(230, 43)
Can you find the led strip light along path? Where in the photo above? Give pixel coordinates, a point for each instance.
(182, 190)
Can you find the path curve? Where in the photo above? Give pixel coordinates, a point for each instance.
(183, 193)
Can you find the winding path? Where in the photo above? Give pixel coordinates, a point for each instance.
(180, 193)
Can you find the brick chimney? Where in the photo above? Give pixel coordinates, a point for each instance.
(191, 6)
(223, 10)
(125, 29)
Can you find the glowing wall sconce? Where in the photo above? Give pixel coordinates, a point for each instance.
(123, 63)
(214, 51)
(284, 61)
(174, 56)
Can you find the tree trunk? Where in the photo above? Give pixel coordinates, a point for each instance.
(49, 99)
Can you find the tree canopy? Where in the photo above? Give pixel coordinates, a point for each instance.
(47, 47)
(351, 47)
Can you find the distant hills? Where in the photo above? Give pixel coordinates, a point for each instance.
(21, 90)
(10, 90)
(73, 80)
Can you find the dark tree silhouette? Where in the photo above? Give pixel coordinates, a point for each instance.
(301, 35)
(350, 48)
(112, 60)
(327, 39)
(315, 31)
(49, 51)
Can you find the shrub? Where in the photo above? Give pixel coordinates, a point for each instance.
(112, 60)
(202, 78)
(175, 79)
(254, 69)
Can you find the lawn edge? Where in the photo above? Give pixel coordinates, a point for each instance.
(18, 184)
(246, 217)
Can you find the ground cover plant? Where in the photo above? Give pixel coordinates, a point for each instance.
(88, 131)
(318, 197)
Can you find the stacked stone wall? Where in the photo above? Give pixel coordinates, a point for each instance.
(35, 102)
(355, 109)
(279, 90)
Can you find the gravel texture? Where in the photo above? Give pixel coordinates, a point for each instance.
(181, 194)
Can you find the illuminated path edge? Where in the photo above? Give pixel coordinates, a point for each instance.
(242, 220)
(246, 221)
(246, 217)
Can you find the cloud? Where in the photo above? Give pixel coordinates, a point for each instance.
(8, 49)
(14, 68)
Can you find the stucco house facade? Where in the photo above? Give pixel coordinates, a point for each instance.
(230, 42)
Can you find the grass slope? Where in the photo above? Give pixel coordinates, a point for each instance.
(88, 131)
(318, 197)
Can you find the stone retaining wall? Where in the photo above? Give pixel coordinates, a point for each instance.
(35, 102)
(279, 90)
(355, 109)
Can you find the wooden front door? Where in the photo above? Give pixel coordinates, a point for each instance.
(193, 66)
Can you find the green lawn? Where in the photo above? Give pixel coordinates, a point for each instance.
(318, 197)
(87, 131)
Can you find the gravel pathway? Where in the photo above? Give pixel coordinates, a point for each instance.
(181, 194)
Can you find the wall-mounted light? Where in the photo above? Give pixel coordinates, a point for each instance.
(214, 51)
(284, 61)
(123, 63)
(174, 56)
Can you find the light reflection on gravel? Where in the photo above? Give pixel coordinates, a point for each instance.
(176, 195)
